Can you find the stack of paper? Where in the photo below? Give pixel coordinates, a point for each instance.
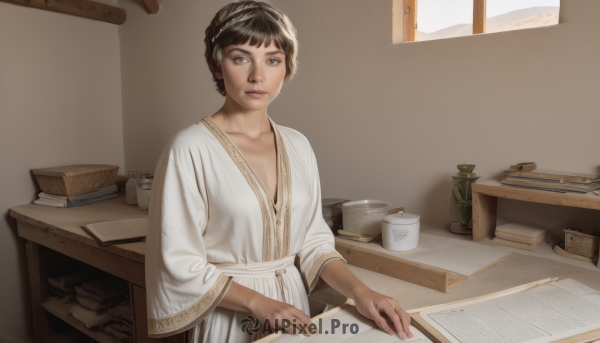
(353, 236)
(552, 181)
(103, 193)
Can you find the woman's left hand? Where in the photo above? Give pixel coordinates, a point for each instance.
(384, 311)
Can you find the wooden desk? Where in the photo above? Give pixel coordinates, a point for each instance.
(486, 193)
(57, 243)
(50, 230)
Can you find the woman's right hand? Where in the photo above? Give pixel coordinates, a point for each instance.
(240, 298)
(263, 308)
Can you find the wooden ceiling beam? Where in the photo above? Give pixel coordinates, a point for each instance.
(81, 8)
(151, 6)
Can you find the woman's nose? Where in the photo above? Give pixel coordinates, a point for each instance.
(257, 74)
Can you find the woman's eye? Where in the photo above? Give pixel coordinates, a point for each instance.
(239, 59)
(273, 61)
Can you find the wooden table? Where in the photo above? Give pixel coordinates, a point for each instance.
(486, 193)
(56, 243)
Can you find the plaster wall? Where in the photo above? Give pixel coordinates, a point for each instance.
(390, 121)
(60, 103)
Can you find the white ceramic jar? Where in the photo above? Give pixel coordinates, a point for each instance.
(400, 231)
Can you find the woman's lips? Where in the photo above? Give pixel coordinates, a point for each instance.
(256, 94)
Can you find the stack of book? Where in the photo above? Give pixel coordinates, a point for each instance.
(552, 181)
(103, 193)
(353, 236)
(520, 236)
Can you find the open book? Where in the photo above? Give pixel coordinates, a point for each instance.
(550, 310)
(120, 231)
(345, 324)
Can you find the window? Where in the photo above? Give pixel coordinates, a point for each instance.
(420, 20)
(443, 19)
(508, 15)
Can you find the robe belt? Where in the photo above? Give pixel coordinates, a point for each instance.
(274, 268)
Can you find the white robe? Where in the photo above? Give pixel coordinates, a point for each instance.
(212, 220)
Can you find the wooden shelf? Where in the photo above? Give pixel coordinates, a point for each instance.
(485, 196)
(495, 189)
(93, 333)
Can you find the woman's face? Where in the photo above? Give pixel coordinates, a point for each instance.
(253, 76)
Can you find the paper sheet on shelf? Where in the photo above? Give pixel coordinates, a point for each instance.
(448, 253)
(542, 314)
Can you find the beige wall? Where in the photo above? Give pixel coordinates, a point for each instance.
(60, 103)
(386, 121)
(390, 121)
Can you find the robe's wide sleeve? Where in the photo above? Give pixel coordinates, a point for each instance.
(182, 288)
(319, 244)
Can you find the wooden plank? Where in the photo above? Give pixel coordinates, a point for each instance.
(426, 328)
(121, 267)
(495, 189)
(68, 222)
(39, 291)
(397, 21)
(420, 274)
(410, 20)
(81, 8)
(138, 300)
(485, 209)
(479, 16)
(455, 278)
(151, 6)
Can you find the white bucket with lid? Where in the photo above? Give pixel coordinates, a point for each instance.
(364, 216)
(400, 231)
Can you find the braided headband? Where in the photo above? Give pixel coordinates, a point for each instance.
(238, 18)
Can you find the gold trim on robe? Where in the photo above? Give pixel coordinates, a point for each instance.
(188, 318)
(315, 271)
(276, 232)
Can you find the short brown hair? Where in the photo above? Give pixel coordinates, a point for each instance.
(257, 22)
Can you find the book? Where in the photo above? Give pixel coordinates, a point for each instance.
(120, 231)
(62, 203)
(98, 192)
(556, 176)
(551, 310)
(550, 185)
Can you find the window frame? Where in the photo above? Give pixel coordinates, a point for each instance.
(405, 30)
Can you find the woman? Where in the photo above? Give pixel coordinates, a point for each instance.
(237, 199)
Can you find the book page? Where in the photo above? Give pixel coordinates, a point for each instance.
(539, 315)
(119, 230)
(366, 331)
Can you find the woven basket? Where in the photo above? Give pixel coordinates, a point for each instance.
(581, 243)
(558, 250)
(75, 179)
